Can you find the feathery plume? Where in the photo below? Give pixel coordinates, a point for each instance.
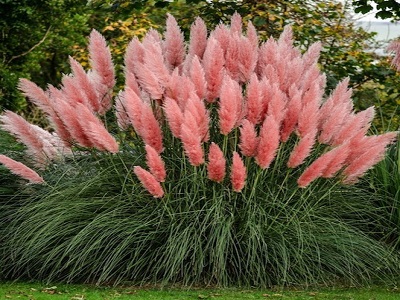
(198, 38)
(216, 167)
(232, 57)
(238, 173)
(213, 63)
(150, 128)
(134, 55)
(252, 35)
(302, 150)
(191, 140)
(122, 116)
(155, 163)
(292, 113)
(268, 142)
(372, 152)
(198, 78)
(20, 169)
(149, 182)
(174, 116)
(198, 110)
(84, 84)
(35, 94)
(254, 100)
(103, 67)
(149, 81)
(248, 139)
(228, 105)
(236, 24)
(98, 135)
(174, 47)
(309, 115)
(248, 56)
(154, 62)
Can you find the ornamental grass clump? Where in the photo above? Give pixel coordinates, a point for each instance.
(223, 164)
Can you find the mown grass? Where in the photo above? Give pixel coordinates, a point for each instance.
(37, 291)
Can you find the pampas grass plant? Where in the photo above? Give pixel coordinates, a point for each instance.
(227, 167)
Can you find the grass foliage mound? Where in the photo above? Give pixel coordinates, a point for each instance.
(220, 162)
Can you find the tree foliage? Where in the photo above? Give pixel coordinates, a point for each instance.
(387, 9)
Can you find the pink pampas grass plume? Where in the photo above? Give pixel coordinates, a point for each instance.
(174, 47)
(132, 104)
(97, 134)
(85, 85)
(309, 114)
(277, 104)
(232, 57)
(198, 38)
(254, 100)
(372, 152)
(131, 82)
(134, 55)
(292, 113)
(216, 167)
(395, 47)
(198, 78)
(103, 68)
(155, 164)
(149, 182)
(20, 169)
(191, 140)
(213, 63)
(198, 110)
(236, 24)
(228, 112)
(333, 123)
(248, 56)
(150, 129)
(238, 173)
(353, 125)
(302, 150)
(326, 165)
(149, 81)
(36, 95)
(154, 61)
(248, 139)
(268, 142)
(252, 35)
(174, 116)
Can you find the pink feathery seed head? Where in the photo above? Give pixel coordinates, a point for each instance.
(213, 63)
(395, 47)
(292, 113)
(286, 37)
(35, 94)
(122, 116)
(340, 95)
(228, 108)
(149, 81)
(174, 87)
(134, 55)
(85, 85)
(150, 130)
(268, 142)
(248, 139)
(252, 35)
(149, 182)
(254, 100)
(174, 116)
(155, 163)
(340, 155)
(236, 24)
(192, 140)
(174, 47)
(72, 93)
(154, 61)
(133, 106)
(198, 78)
(277, 104)
(310, 57)
(232, 57)
(222, 35)
(131, 82)
(370, 156)
(20, 169)
(94, 129)
(152, 37)
(216, 167)
(198, 110)
(332, 124)
(238, 173)
(248, 56)
(308, 118)
(302, 150)
(266, 56)
(198, 38)
(353, 124)
(100, 59)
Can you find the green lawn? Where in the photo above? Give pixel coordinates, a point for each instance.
(86, 292)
